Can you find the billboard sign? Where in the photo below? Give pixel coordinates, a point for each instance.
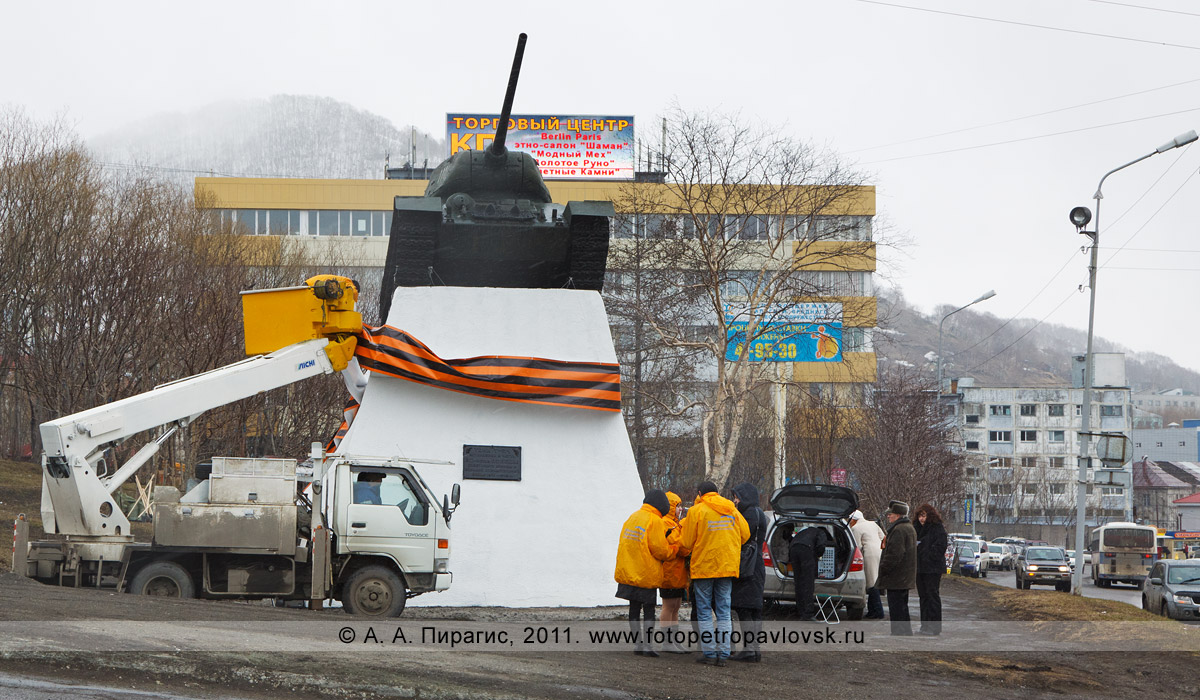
(566, 147)
(800, 332)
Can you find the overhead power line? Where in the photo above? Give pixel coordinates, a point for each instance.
(1034, 26)
(1022, 336)
(1121, 216)
(1027, 116)
(1145, 7)
(1032, 138)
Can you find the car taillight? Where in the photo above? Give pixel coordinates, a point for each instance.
(767, 560)
(856, 563)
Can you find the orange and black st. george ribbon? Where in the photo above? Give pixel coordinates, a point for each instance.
(348, 414)
(592, 385)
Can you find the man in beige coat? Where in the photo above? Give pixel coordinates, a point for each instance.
(870, 541)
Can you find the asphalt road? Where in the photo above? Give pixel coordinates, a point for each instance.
(1120, 592)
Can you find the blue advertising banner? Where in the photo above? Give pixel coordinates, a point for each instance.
(801, 332)
(566, 147)
(968, 511)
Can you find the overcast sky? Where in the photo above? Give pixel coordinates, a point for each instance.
(940, 109)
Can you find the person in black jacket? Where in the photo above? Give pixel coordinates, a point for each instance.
(805, 548)
(931, 564)
(747, 597)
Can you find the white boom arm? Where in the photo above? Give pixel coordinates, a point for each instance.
(78, 501)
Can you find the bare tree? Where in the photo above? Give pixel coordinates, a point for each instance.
(746, 227)
(908, 451)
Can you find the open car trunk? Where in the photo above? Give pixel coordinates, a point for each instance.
(832, 565)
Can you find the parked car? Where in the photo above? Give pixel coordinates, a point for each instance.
(1043, 566)
(840, 570)
(1173, 589)
(998, 556)
(968, 559)
(1073, 558)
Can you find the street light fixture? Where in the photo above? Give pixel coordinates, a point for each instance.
(984, 297)
(1080, 217)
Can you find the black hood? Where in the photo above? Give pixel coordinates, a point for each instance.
(747, 494)
(658, 499)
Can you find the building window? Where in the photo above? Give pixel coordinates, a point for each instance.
(1058, 462)
(1112, 490)
(1158, 444)
(1111, 411)
(327, 223)
(998, 410)
(1028, 436)
(1137, 444)
(1182, 443)
(1078, 410)
(999, 436)
(1145, 499)
(1055, 410)
(972, 419)
(1058, 488)
(972, 444)
(1058, 435)
(360, 223)
(1028, 462)
(1029, 409)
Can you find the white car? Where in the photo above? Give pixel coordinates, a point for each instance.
(998, 556)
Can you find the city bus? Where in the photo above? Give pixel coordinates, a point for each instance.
(1122, 553)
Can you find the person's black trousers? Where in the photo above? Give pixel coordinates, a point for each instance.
(804, 569)
(874, 604)
(750, 622)
(928, 588)
(636, 626)
(898, 611)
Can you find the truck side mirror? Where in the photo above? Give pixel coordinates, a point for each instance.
(450, 503)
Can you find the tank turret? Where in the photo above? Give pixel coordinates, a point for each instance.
(487, 220)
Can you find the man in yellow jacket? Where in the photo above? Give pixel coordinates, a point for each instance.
(714, 532)
(640, 555)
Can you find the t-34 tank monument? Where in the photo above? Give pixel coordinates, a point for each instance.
(497, 362)
(486, 220)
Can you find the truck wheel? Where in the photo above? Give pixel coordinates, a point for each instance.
(163, 578)
(374, 591)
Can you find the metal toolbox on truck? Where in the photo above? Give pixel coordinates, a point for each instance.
(264, 481)
(236, 527)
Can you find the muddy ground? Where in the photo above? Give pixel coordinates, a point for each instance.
(868, 671)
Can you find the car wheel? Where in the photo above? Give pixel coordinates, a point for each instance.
(374, 591)
(855, 612)
(1145, 603)
(163, 578)
(985, 573)
(1019, 583)
(1163, 610)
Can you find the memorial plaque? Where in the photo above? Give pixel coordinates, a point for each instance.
(492, 462)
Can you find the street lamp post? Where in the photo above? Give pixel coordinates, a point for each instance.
(1080, 216)
(984, 297)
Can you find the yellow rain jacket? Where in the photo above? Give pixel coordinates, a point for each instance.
(714, 532)
(642, 549)
(675, 573)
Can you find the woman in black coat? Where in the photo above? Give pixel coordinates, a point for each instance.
(747, 598)
(931, 564)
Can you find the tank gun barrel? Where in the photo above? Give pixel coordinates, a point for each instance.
(497, 147)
